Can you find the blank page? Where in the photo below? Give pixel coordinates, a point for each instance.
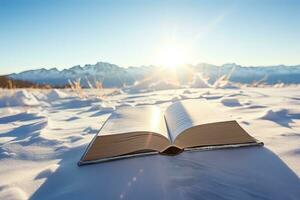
(135, 119)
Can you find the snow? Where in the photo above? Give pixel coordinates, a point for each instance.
(152, 85)
(281, 116)
(12, 193)
(223, 82)
(199, 82)
(163, 85)
(43, 133)
(116, 76)
(56, 94)
(19, 98)
(231, 102)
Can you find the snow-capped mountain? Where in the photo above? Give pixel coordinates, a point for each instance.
(240, 74)
(111, 75)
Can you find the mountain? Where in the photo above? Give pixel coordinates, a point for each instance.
(7, 82)
(240, 74)
(111, 75)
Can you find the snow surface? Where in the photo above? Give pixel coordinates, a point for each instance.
(18, 98)
(43, 133)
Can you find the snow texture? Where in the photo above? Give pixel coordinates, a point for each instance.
(41, 141)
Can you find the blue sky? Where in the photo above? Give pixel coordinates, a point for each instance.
(63, 33)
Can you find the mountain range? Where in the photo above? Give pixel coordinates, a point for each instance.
(111, 75)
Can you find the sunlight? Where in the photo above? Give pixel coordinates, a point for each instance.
(171, 56)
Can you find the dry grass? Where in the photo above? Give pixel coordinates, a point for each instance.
(259, 82)
(97, 89)
(77, 89)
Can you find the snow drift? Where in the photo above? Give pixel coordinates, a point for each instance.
(19, 98)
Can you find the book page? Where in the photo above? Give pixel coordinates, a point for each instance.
(129, 131)
(183, 115)
(135, 119)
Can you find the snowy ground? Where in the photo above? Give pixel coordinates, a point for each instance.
(43, 134)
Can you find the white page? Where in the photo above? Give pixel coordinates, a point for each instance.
(183, 115)
(136, 119)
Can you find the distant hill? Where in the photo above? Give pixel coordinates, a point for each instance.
(111, 75)
(7, 82)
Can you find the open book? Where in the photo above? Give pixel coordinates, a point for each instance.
(185, 125)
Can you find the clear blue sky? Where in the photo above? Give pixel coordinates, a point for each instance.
(63, 33)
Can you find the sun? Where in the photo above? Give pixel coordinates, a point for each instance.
(171, 56)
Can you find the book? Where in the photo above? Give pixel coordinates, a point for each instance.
(183, 126)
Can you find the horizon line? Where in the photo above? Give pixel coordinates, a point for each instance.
(148, 65)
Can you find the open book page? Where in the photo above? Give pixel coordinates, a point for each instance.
(194, 123)
(136, 119)
(183, 115)
(129, 131)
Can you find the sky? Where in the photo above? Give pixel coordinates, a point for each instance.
(64, 33)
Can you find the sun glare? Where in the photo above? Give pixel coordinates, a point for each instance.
(171, 56)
